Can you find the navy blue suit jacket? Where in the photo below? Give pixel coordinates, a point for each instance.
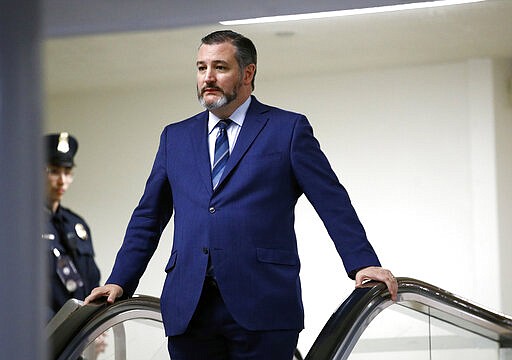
(246, 225)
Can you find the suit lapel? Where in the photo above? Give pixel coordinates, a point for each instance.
(254, 122)
(199, 140)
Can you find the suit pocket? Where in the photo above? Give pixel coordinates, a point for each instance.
(172, 262)
(277, 256)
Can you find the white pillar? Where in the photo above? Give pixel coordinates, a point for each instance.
(484, 184)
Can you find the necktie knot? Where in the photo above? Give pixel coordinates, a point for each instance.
(224, 124)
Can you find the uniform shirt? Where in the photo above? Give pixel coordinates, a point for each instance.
(68, 235)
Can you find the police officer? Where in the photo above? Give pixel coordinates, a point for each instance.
(73, 271)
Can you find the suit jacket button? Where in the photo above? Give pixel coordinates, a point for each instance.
(205, 250)
(211, 210)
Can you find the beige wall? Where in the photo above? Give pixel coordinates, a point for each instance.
(424, 152)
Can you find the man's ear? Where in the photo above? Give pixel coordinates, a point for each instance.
(249, 72)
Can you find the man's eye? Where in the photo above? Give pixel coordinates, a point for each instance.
(201, 68)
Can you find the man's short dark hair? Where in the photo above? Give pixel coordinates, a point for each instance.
(245, 49)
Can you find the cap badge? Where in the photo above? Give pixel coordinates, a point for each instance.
(63, 145)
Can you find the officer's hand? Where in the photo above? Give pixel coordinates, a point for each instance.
(110, 291)
(378, 274)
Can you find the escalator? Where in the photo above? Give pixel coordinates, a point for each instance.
(130, 329)
(425, 323)
(127, 329)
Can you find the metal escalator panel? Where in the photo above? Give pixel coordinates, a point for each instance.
(425, 323)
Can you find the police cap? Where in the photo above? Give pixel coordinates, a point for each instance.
(60, 149)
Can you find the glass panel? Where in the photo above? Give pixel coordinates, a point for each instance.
(133, 339)
(402, 333)
(397, 333)
(451, 342)
(99, 347)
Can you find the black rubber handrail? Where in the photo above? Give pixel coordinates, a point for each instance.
(343, 329)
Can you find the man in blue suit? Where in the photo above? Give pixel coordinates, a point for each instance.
(232, 176)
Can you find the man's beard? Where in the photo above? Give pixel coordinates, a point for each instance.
(222, 101)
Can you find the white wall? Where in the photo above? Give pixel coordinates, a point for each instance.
(407, 143)
(503, 104)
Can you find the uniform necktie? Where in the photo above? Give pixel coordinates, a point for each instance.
(221, 153)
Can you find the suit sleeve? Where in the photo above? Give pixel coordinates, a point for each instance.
(330, 200)
(146, 225)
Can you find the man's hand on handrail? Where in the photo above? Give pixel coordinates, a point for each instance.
(378, 274)
(110, 291)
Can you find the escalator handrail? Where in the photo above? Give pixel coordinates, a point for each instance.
(338, 336)
(74, 320)
(343, 329)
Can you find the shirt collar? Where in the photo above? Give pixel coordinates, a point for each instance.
(237, 117)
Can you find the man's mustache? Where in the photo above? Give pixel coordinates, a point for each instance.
(209, 88)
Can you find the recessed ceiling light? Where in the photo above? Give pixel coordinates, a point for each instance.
(349, 12)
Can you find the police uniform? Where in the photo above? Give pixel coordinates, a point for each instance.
(73, 271)
(69, 244)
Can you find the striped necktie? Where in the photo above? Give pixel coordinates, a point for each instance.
(221, 154)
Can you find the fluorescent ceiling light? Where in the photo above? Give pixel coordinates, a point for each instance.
(338, 13)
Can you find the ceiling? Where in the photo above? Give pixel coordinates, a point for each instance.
(64, 17)
(79, 57)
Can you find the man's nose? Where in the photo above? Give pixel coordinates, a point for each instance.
(209, 75)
